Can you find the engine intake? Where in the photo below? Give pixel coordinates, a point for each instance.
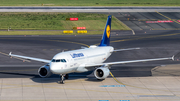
(44, 71)
(101, 73)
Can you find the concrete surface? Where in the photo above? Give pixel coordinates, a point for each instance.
(129, 88)
(166, 70)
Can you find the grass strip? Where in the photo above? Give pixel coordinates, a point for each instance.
(46, 33)
(57, 21)
(89, 2)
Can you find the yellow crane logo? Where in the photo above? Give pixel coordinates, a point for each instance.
(108, 30)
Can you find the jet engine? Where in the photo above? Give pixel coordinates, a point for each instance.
(101, 73)
(44, 71)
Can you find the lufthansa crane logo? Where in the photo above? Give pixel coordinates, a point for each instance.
(108, 31)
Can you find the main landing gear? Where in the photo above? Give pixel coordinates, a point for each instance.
(66, 76)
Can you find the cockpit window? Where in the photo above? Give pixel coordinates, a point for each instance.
(53, 60)
(58, 60)
(63, 60)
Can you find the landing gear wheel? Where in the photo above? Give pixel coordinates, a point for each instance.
(62, 79)
(61, 82)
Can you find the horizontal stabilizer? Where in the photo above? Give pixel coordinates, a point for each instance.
(125, 49)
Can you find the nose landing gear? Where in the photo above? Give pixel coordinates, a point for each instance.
(66, 76)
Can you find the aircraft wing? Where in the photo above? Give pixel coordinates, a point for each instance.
(30, 58)
(131, 61)
(125, 49)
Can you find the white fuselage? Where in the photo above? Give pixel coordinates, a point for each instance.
(76, 60)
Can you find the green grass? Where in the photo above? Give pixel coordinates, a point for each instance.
(46, 33)
(57, 21)
(90, 2)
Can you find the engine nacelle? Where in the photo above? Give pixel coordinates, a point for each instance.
(101, 73)
(44, 71)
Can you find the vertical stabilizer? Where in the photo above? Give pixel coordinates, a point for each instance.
(107, 33)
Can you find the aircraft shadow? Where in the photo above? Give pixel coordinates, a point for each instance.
(117, 71)
(17, 75)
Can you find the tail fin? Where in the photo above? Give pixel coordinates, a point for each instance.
(107, 32)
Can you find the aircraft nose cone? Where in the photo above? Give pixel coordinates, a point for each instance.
(53, 67)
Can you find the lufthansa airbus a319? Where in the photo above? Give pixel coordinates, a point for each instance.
(83, 60)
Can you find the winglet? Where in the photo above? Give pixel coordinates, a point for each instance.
(10, 53)
(176, 57)
(173, 57)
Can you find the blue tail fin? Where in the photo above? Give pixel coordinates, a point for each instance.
(107, 32)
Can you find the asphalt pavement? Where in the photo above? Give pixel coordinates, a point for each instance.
(153, 45)
(88, 9)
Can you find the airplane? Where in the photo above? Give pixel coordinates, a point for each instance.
(83, 60)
